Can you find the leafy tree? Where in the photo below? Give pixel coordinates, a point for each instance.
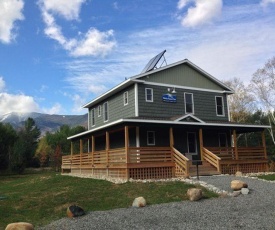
(43, 152)
(18, 158)
(8, 137)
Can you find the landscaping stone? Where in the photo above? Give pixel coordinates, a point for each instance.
(139, 202)
(239, 174)
(75, 211)
(194, 194)
(238, 185)
(245, 191)
(20, 226)
(236, 193)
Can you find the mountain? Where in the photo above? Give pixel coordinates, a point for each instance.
(45, 122)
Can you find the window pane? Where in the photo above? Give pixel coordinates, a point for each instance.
(189, 103)
(149, 94)
(219, 106)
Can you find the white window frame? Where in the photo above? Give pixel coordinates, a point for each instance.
(106, 111)
(226, 142)
(146, 95)
(154, 137)
(99, 109)
(193, 109)
(223, 114)
(93, 117)
(125, 98)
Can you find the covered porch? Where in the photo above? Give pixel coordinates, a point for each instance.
(120, 153)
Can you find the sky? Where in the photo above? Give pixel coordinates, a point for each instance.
(57, 55)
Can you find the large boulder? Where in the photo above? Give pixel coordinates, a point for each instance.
(20, 226)
(194, 194)
(238, 185)
(75, 211)
(139, 202)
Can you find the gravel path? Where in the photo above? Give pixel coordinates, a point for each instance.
(253, 211)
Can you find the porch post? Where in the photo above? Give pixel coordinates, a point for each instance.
(81, 152)
(93, 149)
(235, 144)
(107, 151)
(201, 143)
(126, 138)
(72, 152)
(264, 145)
(171, 137)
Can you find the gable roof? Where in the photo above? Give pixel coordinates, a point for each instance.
(136, 78)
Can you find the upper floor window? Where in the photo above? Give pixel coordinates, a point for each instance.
(219, 106)
(151, 138)
(105, 111)
(125, 98)
(149, 94)
(93, 117)
(189, 103)
(99, 111)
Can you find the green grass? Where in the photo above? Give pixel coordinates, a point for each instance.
(267, 177)
(44, 197)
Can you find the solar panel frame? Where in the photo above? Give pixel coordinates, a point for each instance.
(153, 62)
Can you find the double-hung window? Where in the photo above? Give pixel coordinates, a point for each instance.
(149, 95)
(99, 111)
(151, 138)
(105, 112)
(93, 117)
(189, 103)
(125, 98)
(219, 106)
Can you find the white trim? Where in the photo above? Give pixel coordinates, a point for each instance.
(196, 151)
(190, 115)
(89, 120)
(136, 100)
(154, 138)
(166, 122)
(104, 111)
(152, 92)
(186, 87)
(228, 109)
(125, 97)
(137, 137)
(223, 115)
(193, 107)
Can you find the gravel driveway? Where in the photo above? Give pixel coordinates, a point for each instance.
(253, 211)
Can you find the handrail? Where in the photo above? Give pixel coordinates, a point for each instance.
(181, 161)
(212, 159)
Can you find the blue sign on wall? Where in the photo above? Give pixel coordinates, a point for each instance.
(169, 98)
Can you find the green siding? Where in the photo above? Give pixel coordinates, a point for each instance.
(204, 104)
(183, 75)
(117, 110)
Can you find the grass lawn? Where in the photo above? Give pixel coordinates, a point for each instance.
(267, 177)
(43, 197)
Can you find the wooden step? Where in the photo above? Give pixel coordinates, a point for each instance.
(203, 170)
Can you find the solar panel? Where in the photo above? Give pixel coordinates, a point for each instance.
(153, 62)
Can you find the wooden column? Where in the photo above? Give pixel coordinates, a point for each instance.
(201, 143)
(107, 152)
(93, 149)
(126, 138)
(171, 137)
(264, 145)
(235, 145)
(81, 152)
(72, 152)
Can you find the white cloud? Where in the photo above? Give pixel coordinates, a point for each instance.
(17, 103)
(10, 11)
(203, 12)
(2, 84)
(55, 109)
(266, 2)
(68, 9)
(92, 43)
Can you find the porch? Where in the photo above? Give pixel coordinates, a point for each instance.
(161, 162)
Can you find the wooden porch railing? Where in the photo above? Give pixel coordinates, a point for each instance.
(181, 162)
(211, 158)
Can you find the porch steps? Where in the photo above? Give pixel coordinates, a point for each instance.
(205, 169)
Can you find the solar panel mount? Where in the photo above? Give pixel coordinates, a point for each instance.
(153, 62)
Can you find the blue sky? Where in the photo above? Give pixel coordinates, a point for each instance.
(56, 55)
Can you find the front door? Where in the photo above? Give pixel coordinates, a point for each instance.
(191, 144)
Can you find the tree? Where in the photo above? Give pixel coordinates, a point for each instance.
(8, 137)
(43, 152)
(263, 86)
(241, 103)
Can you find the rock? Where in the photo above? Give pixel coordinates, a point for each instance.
(194, 194)
(75, 211)
(20, 226)
(238, 185)
(238, 173)
(236, 193)
(245, 191)
(139, 202)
